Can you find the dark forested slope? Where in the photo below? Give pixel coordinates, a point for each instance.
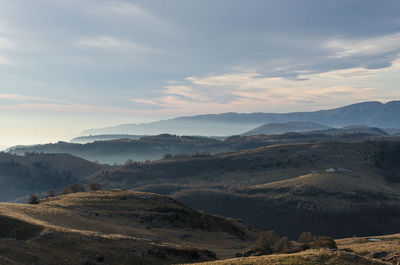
(328, 188)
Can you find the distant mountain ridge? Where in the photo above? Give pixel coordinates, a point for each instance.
(103, 137)
(373, 114)
(279, 128)
(354, 129)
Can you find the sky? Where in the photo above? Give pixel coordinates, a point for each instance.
(70, 65)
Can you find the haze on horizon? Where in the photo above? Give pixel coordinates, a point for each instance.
(70, 65)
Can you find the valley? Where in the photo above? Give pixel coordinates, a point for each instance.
(199, 132)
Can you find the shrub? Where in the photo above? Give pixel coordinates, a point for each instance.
(324, 242)
(168, 156)
(51, 193)
(265, 242)
(66, 190)
(283, 245)
(75, 188)
(33, 199)
(305, 239)
(94, 186)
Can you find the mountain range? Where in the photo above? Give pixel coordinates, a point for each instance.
(374, 113)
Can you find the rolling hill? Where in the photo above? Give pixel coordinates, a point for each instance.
(353, 129)
(355, 250)
(121, 150)
(115, 227)
(104, 137)
(336, 189)
(155, 147)
(126, 227)
(279, 128)
(37, 173)
(375, 114)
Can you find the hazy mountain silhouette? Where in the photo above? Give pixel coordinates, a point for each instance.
(295, 126)
(354, 129)
(104, 137)
(373, 113)
(155, 147)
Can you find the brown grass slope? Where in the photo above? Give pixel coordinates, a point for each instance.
(354, 250)
(311, 257)
(115, 227)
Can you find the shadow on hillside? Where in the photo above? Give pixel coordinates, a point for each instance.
(14, 228)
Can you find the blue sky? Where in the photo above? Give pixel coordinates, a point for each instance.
(69, 65)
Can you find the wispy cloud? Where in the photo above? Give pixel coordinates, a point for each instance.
(253, 92)
(7, 43)
(106, 42)
(118, 9)
(344, 47)
(18, 102)
(186, 92)
(25, 98)
(5, 61)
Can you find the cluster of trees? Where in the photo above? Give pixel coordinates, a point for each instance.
(180, 156)
(269, 243)
(73, 188)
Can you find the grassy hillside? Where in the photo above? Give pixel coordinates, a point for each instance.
(125, 227)
(311, 257)
(354, 250)
(31, 173)
(335, 189)
(115, 227)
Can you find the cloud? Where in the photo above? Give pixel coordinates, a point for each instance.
(343, 47)
(106, 42)
(118, 9)
(7, 43)
(5, 61)
(253, 92)
(358, 72)
(25, 98)
(186, 92)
